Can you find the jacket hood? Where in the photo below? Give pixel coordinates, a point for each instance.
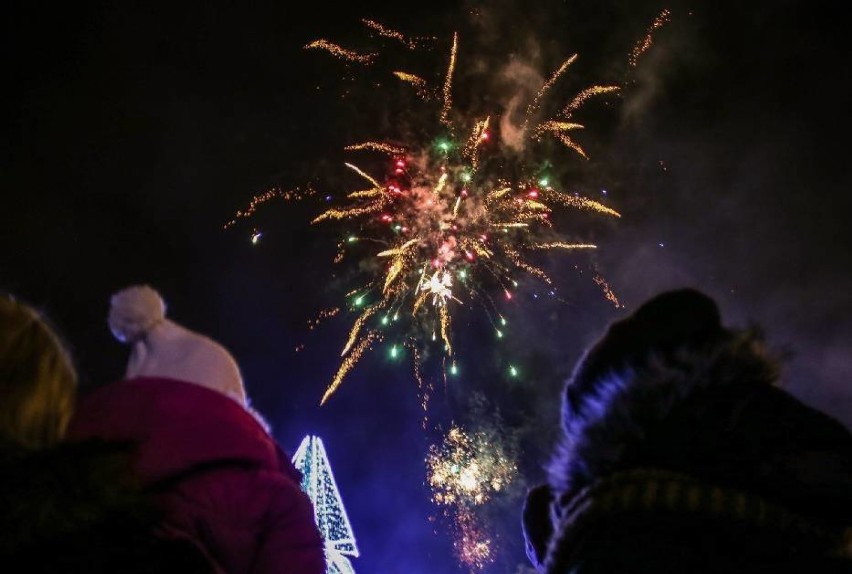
(177, 427)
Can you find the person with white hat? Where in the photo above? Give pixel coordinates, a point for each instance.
(68, 506)
(161, 347)
(217, 472)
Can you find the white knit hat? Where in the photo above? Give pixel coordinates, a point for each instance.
(135, 311)
(162, 348)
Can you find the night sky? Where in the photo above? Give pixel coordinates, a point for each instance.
(133, 131)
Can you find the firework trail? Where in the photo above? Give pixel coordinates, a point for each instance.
(268, 195)
(448, 225)
(645, 43)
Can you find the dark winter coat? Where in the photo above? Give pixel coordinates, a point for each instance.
(733, 476)
(217, 474)
(680, 454)
(75, 508)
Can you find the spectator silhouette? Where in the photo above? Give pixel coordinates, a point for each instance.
(209, 459)
(67, 507)
(680, 454)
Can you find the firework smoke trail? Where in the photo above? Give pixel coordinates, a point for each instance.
(449, 226)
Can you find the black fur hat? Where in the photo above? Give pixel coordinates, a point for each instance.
(669, 321)
(670, 410)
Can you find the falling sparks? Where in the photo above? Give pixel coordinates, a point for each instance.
(534, 106)
(563, 245)
(419, 83)
(376, 146)
(472, 544)
(448, 225)
(349, 362)
(388, 33)
(322, 316)
(608, 292)
(340, 52)
(645, 43)
(268, 195)
(448, 82)
(581, 98)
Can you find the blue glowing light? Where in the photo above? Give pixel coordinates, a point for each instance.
(330, 515)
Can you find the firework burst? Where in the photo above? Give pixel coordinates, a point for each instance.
(464, 472)
(448, 222)
(467, 469)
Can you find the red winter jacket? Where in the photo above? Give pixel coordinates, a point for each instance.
(219, 476)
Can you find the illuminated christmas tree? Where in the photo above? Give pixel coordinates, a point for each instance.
(329, 513)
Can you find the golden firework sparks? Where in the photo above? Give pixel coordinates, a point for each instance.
(341, 52)
(448, 82)
(388, 33)
(446, 217)
(419, 83)
(377, 146)
(642, 45)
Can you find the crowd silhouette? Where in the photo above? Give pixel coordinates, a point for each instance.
(679, 453)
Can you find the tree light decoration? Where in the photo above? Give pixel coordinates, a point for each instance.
(330, 515)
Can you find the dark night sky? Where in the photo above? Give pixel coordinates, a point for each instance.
(134, 130)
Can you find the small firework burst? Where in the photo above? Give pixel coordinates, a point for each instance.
(464, 472)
